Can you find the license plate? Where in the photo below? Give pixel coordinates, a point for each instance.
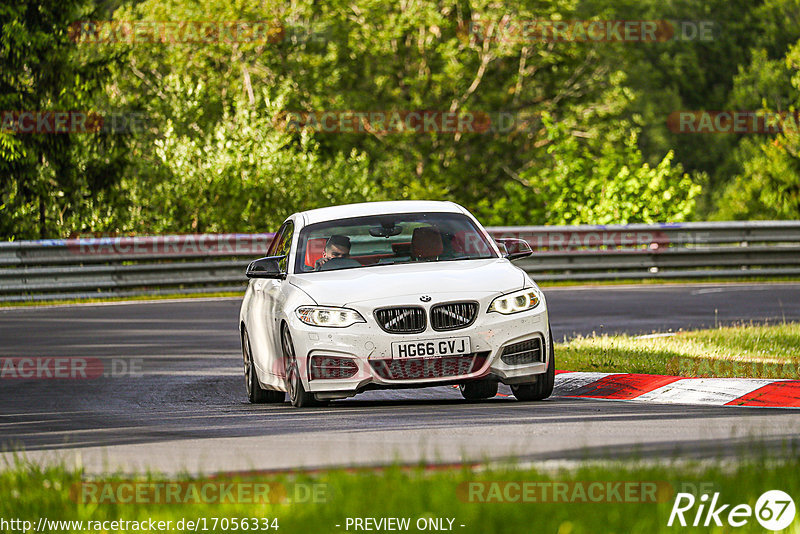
(431, 348)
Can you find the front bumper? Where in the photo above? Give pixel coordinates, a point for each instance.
(369, 347)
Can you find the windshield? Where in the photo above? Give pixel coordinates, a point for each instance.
(389, 239)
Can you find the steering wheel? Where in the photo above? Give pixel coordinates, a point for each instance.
(338, 263)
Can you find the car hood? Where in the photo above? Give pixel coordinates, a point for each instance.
(349, 286)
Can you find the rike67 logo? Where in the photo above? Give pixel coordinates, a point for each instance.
(774, 510)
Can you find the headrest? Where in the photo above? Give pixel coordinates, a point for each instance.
(426, 242)
(314, 250)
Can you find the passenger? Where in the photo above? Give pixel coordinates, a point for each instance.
(337, 246)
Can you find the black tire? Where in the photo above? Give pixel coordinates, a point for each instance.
(255, 393)
(543, 387)
(298, 396)
(478, 390)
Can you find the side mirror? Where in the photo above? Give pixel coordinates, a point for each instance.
(514, 248)
(269, 267)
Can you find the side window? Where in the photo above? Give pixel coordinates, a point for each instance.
(286, 240)
(282, 240)
(282, 244)
(276, 239)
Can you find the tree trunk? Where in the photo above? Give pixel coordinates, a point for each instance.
(42, 221)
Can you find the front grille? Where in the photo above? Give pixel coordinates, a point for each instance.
(529, 351)
(453, 315)
(420, 368)
(403, 320)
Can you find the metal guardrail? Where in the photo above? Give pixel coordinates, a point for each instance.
(128, 266)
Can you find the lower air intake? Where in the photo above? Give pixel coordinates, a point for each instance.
(331, 367)
(522, 353)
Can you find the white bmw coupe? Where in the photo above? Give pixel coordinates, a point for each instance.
(385, 295)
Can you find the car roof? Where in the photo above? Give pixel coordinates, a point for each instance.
(333, 213)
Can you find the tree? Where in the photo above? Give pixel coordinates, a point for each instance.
(596, 181)
(244, 175)
(376, 56)
(49, 179)
(768, 184)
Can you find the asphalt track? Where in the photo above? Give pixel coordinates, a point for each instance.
(185, 409)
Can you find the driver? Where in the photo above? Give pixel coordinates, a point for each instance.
(337, 246)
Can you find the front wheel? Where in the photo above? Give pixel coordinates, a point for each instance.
(298, 396)
(481, 389)
(543, 387)
(255, 393)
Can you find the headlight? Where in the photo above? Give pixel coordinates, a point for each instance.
(515, 302)
(329, 316)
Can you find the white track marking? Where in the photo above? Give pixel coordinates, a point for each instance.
(568, 382)
(715, 391)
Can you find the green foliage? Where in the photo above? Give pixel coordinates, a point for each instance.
(768, 185)
(243, 175)
(594, 182)
(368, 56)
(49, 180)
(498, 497)
(590, 143)
(376, 56)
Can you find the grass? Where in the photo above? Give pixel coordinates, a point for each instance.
(754, 351)
(166, 296)
(666, 281)
(30, 492)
